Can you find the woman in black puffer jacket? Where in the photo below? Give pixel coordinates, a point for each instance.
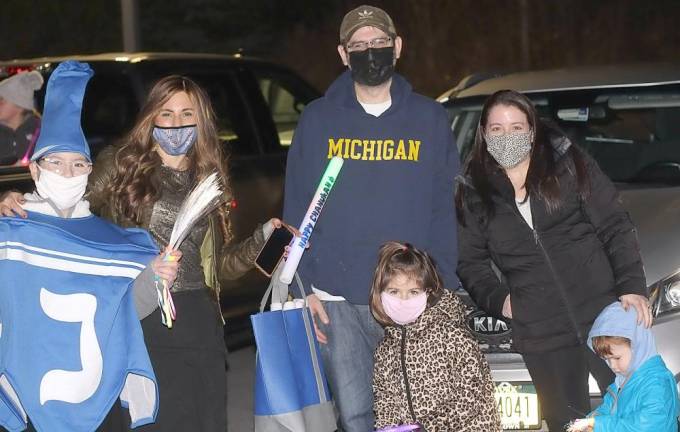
(541, 210)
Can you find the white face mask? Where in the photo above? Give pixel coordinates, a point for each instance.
(64, 192)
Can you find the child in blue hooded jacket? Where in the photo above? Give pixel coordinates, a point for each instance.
(644, 396)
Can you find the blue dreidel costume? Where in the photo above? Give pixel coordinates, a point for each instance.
(71, 342)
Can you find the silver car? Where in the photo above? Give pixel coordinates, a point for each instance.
(628, 119)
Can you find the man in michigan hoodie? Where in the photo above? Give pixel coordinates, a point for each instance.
(396, 184)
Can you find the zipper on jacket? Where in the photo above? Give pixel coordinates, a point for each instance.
(403, 371)
(560, 288)
(615, 396)
(548, 261)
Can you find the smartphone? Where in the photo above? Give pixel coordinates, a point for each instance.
(273, 249)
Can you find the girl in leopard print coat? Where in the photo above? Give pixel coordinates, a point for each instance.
(428, 369)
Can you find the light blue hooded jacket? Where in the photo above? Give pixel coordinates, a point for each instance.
(646, 399)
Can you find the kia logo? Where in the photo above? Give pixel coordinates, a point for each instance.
(486, 325)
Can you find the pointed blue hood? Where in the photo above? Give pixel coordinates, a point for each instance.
(61, 130)
(615, 321)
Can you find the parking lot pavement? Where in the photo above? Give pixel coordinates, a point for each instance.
(240, 381)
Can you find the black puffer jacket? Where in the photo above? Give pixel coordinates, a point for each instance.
(562, 273)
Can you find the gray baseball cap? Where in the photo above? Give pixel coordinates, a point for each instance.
(365, 16)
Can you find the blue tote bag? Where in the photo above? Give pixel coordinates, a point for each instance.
(291, 392)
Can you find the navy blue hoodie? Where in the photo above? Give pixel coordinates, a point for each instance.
(397, 183)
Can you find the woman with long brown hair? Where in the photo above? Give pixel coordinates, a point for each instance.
(536, 207)
(143, 182)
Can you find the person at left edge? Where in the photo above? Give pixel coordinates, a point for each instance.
(19, 121)
(72, 258)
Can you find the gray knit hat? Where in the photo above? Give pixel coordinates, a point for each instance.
(19, 88)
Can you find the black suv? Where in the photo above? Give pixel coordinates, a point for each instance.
(257, 105)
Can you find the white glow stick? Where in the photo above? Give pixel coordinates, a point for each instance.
(307, 226)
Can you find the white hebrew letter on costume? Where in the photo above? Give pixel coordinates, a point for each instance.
(73, 386)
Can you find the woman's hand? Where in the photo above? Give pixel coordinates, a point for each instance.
(641, 305)
(273, 223)
(10, 204)
(270, 225)
(167, 269)
(507, 307)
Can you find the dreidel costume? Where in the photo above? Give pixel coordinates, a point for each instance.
(71, 342)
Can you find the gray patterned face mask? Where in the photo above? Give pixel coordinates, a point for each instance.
(509, 149)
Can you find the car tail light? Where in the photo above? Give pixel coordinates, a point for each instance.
(665, 295)
(8, 71)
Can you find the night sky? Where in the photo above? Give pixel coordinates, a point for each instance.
(444, 40)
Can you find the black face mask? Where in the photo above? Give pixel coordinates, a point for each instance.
(372, 66)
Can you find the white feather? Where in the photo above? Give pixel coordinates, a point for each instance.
(206, 196)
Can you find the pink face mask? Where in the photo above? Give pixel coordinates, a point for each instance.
(403, 311)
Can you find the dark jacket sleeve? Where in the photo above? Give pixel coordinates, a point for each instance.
(442, 234)
(474, 267)
(238, 258)
(615, 230)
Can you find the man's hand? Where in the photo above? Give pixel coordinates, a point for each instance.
(10, 204)
(641, 305)
(317, 310)
(507, 307)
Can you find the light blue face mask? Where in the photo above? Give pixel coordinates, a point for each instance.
(175, 141)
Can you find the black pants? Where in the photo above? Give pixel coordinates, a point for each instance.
(561, 380)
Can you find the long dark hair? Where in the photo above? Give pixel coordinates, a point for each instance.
(541, 180)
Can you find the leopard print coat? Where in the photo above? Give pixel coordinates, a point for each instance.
(433, 373)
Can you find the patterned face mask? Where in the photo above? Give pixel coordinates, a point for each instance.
(509, 149)
(175, 140)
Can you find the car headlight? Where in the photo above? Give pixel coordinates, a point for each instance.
(665, 295)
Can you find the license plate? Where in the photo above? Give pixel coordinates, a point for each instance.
(518, 406)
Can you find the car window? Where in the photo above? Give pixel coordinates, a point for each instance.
(109, 109)
(286, 99)
(634, 135)
(464, 119)
(232, 129)
(284, 108)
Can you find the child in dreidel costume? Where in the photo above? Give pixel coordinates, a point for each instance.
(71, 342)
(644, 395)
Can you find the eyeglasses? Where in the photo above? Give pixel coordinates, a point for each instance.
(381, 42)
(78, 167)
